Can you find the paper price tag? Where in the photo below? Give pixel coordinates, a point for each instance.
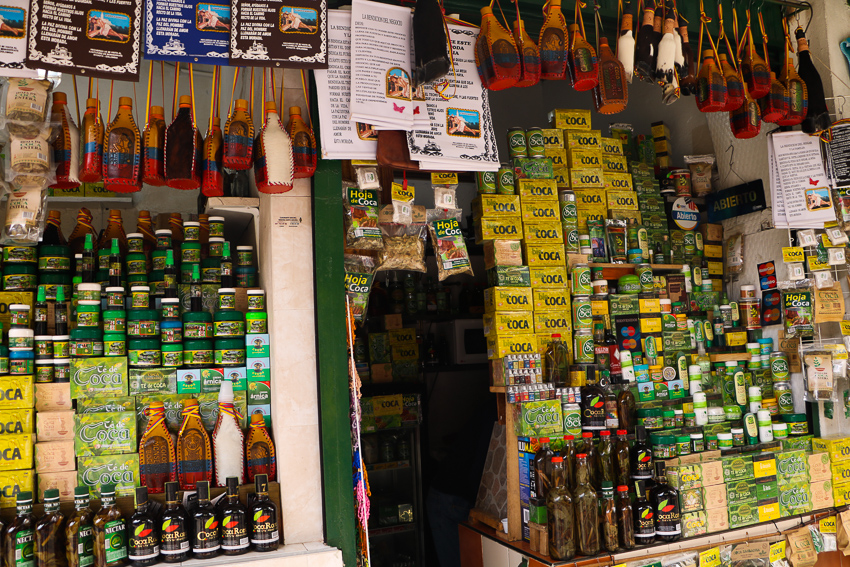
(814, 265)
(443, 178)
(793, 254)
(827, 525)
(777, 551)
(845, 327)
(400, 193)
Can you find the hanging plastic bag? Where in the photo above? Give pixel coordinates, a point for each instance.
(404, 247)
(24, 105)
(449, 243)
(361, 219)
(25, 216)
(359, 275)
(273, 168)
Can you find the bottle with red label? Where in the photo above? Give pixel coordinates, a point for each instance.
(641, 456)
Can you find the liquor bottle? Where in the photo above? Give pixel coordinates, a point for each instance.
(212, 168)
(711, 85)
(40, 312)
(66, 146)
(734, 86)
(529, 56)
(60, 312)
(110, 539)
(496, 73)
(666, 60)
(798, 95)
(114, 229)
(273, 168)
(115, 270)
(817, 114)
(235, 539)
(175, 223)
(174, 528)
(194, 451)
(122, 149)
(613, 355)
(754, 70)
(265, 535)
(239, 137)
(626, 43)
(625, 518)
(641, 456)
(621, 458)
(19, 537)
(592, 405)
(53, 230)
(606, 458)
(88, 260)
(79, 539)
(259, 449)
(553, 43)
(543, 468)
(586, 506)
(568, 453)
(153, 145)
(81, 229)
(644, 55)
(143, 532)
(49, 537)
(228, 440)
(774, 106)
(157, 458)
(626, 408)
(644, 516)
(206, 534)
(170, 274)
(665, 503)
(582, 65)
(91, 140)
(561, 515)
(196, 300)
(226, 265)
(719, 330)
(144, 225)
(688, 76)
(657, 25)
(611, 95)
(183, 147)
(303, 144)
(608, 527)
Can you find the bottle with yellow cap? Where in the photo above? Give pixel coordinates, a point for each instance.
(91, 139)
(273, 170)
(303, 144)
(122, 149)
(183, 146)
(153, 144)
(66, 146)
(239, 137)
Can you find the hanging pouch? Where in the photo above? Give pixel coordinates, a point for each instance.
(430, 42)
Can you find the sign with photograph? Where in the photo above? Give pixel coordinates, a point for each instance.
(290, 33)
(191, 31)
(13, 39)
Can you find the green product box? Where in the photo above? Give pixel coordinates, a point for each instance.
(743, 514)
(676, 340)
(795, 496)
(792, 464)
(209, 409)
(259, 393)
(533, 168)
(260, 369)
(705, 299)
(685, 476)
(406, 371)
(690, 500)
(101, 376)
(740, 491)
(656, 220)
(694, 524)
(173, 410)
(537, 512)
(623, 304)
(189, 381)
(98, 434)
(379, 348)
(509, 276)
(737, 467)
(715, 428)
(211, 379)
(258, 345)
(106, 405)
(121, 470)
(153, 381)
(803, 443)
(767, 489)
(538, 419)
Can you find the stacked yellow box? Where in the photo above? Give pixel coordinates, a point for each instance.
(55, 456)
(496, 217)
(17, 437)
(553, 146)
(620, 197)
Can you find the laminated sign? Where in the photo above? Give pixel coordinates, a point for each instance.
(293, 32)
(187, 31)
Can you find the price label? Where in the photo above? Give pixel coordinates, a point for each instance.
(814, 265)
(402, 193)
(710, 557)
(777, 551)
(443, 178)
(827, 525)
(793, 254)
(845, 327)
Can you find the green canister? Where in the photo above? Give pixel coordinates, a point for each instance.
(114, 344)
(142, 323)
(256, 300)
(86, 343)
(211, 270)
(229, 324)
(158, 260)
(44, 347)
(198, 353)
(156, 282)
(256, 323)
(144, 353)
(230, 352)
(137, 264)
(190, 252)
(14, 254)
(797, 424)
(61, 369)
(54, 258)
(172, 355)
(216, 247)
(20, 315)
(246, 276)
(216, 227)
(197, 325)
(19, 277)
(245, 255)
(88, 315)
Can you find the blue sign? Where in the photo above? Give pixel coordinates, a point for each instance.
(194, 32)
(736, 201)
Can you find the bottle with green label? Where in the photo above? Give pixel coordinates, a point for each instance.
(234, 521)
(79, 540)
(19, 537)
(110, 539)
(143, 531)
(48, 531)
(174, 530)
(265, 535)
(206, 535)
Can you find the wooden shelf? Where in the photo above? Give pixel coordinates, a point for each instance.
(730, 356)
(616, 271)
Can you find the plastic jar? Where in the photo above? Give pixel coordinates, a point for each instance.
(158, 260)
(114, 298)
(19, 277)
(142, 323)
(135, 243)
(244, 255)
(197, 325)
(86, 342)
(198, 353)
(765, 345)
(144, 353)
(61, 369)
(163, 239)
(711, 443)
(88, 316)
(226, 299)
(172, 355)
(668, 419)
(89, 292)
(20, 315)
(14, 254)
(114, 344)
(61, 346)
(246, 276)
(678, 418)
(171, 331)
(43, 346)
(216, 227)
(797, 424)
(137, 264)
(683, 445)
(170, 308)
(103, 259)
(137, 279)
(770, 405)
(21, 363)
(21, 339)
(664, 447)
(256, 323)
(228, 324)
(216, 247)
(4, 360)
(230, 352)
(256, 300)
(737, 436)
(211, 270)
(724, 440)
(780, 430)
(635, 256)
(690, 419)
(716, 415)
(754, 398)
(190, 253)
(731, 413)
(115, 321)
(697, 443)
(54, 258)
(140, 297)
(44, 371)
(191, 231)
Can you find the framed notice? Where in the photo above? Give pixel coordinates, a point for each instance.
(187, 30)
(95, 38)
(14, 16)
(281, 33)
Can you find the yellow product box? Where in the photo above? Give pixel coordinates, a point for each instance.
(53, 396)
(715, 268)
(768, 512)
(590, 213)
(533, 211)
(17, 392)
(649, 306)
(663, 161)
(764, 465)
(76, 192)
(544, 255)
(13, 483)
(619, 182)
(55, 456)
(840, 472)
(650, 325)
(612, 146)
(16, 451)
(841, 494)
(561, 176)
(713, 250)
(55, 425)
(822, 496)
(541, 189)
(622, 200)
(502, 253)
(499, 346)
(590, 139)
(554, 300)
(590, 198)
(543, 232)
(489, 205)
(615, 164)
(402, 337)
(582, 158)
(505, 322)
(662, 147)
(587, 178)
(819, 467)
(660, 130)
(837, 447)
(558, 157)
(599, 307)
(15, 421)
(64, 482)
(553, 138)
(552, 322)
(498, 229)
(548, 276)
(507, 299)
(570, 118)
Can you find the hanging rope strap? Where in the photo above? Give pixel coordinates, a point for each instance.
(77, 99)
(176, 87)
(150, 84)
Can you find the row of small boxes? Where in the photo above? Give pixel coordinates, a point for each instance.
(17, 425)
(55, 453)
(258, 362)
(394, 355)
(838, 449)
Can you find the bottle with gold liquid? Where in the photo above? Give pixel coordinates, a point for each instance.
(745, 121)
(754, 69)
(122, 150)
(175, 223)
(553, 43)
(711, 85)
(798, 95)
(239, 137)
(611, 95)
(273, 171)
(734, 85)
(529, 56)
(183, 146)
(66, 146)
(212, 180)
(584, 69)
(114, 229)
(259, 449)
(496, 55)
(81, 229)
(688, 77)
(194, 451)
(153, 140)
(303, 144)
(91, 139)
(774, 106)
(157, 460)
(144, 226)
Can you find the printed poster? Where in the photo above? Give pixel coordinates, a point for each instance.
(13, 39)
(191, 31)
(94, 38)
(805, 187)
(289, 33)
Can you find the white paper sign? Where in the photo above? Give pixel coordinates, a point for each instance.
(805, 186)
(14, 18)
(777, 197)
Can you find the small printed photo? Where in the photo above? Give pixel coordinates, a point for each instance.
(817, 199)
(398, 84)
(212, 17)
(463, 123)
(13, 21)
(366, 132)
(298, 20)
(108, 26)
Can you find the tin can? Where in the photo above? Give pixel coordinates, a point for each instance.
(517, 142)
(690, 244)
(581, 283)
(779, 366)
(682, 182)
(750, 313)
(572, 419)
(582, 312)
(486, 181)
(784, 398)
(584, 352)
(534, 142)
(505, 180)
(644, 274)
(569, 221)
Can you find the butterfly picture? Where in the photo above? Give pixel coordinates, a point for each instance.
(398, 108)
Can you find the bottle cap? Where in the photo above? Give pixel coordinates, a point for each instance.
(622, 432)
(297, 109)
(241, 104)
(91, 102)
(81, 491)
(42, 294)
(185, 100)
(156, 111)
(622, 488)
(605, 433)
(141, 495)
(51, 495)
(89, 243)
(203, 487)
(24, 497)
(60, 294)
(607, 484)
(569, 438)
(544, 439)
(170, 491)
(581, 456)
(587, 435)
(261, 483)
(660, 468)
(557, 459)
(125, 101)
(107, 489)
(232, 485)
(115, 250)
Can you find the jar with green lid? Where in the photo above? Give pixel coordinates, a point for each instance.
(197, 325)
(171, 331)
(216, 227)
(227, 324)
(198, 353)
(678, 418)
(664, 447)
(256, 323)
(711, 443)
(21, 363)
(186, 269)
(88, 316)
(19, 277)
(211, 270)
(668, 419)
(690, 419)
(796, 422)
(21, 339)
(170, 307)
(244, 255)
(138, 279)
(144, 353)
(724, 441)
(230, 352)
(172, 355)
(140, 297)
(226, 299)
(683, 445)
(190, 253)
(732, 412)
(156, 281)
(61, 369)
(246, 276)
(137, 264)
(103, 259)
(61, 348)
(54, 258)
(43, 346)
(86, 343)
(16, 254)
(44, 371)
(216, 246)
(143, 323)
(114, 344)
(158, 260)
(135, 243)
(650, 418)
(256, 300)
(191, 231)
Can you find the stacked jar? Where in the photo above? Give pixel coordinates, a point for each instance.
(54, 269)
(19, 268)
(21, 341)
(229, 330)
(246, 273)
(136, 262)
(258, 356)
(115, 321)
(211, 265)
(87, 338)
(156, 278)
(190, 250)
(171, 333)
(143, 329)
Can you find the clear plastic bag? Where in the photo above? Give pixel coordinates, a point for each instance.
(359, 275)
(819, 376)
(797, 308)
(25, 107)
(404, 247)
(735, 253)
(25, 216)
(449, 243)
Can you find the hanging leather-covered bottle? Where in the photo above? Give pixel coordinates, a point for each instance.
(644, 54)
(611, 95)
(273, 169)
(754, 69)
(530, 56)
(583, 66)
(496, 55)
(745, 120)
(157, 460)
(711, 86)
(228, 439)
(91, 139)
(239, 137)
(817, 114)
(153, 148)
(53, 230)
(259, 449)
(734, 85)
(183, 147)
(688, 76)
(81, 229)
(798, 95)
(657, 33)
(665, 63)
(194, 450)
(66, 146)
(212, 180)
(553, 43)
(122, 151)
(626, 43)
(303, 145)
(430, 44)
(774, 106)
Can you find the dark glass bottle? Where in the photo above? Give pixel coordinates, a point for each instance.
(561, 515)
(174, 532)
(586, 505)
(226, 266)
(665, 503)
(49, 536)
(626, 408)
(625, 520)
(265, 535)
(644, 516)
(79, 538)
(234, 521)
(110, 546)
(89, 265)
(641, 456)
(592, 406)
(592, 452)
(543, 468)
(115, 264)
(568, 453)
(170, 274)
(621, 458)
(143, 533)
(40, 312)
(19, 537)
(608, 517)
(643, 47)
(60, 312)
(817, 114)
(206, 535)
(606, 458)
(196, 300)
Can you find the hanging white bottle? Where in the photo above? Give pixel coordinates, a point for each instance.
(626, 46)
(228, 439)
(273, 168)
